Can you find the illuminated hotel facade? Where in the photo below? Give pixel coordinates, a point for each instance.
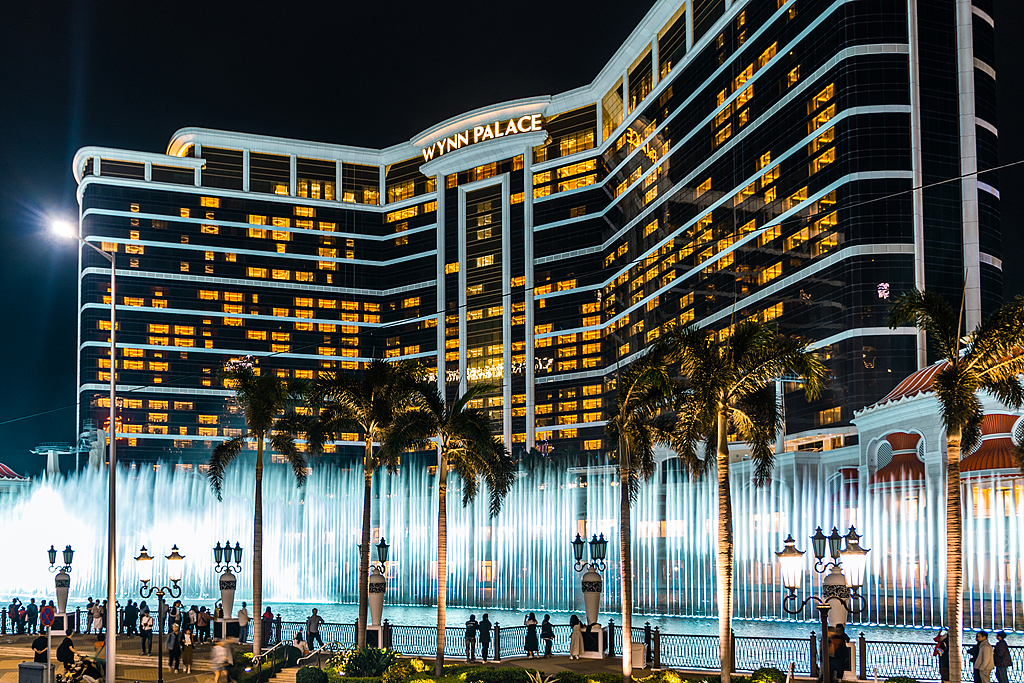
(732, 160)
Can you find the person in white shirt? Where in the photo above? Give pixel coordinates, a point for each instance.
(243, 624)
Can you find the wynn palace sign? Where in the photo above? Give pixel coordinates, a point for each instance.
(491, 131)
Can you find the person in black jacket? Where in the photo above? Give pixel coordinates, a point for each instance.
(547, 634)
(471, 628)
(173, 646)
(485, 636)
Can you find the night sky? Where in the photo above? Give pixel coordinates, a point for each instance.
(127, 75)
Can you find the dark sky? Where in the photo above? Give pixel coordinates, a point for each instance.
(126, 74)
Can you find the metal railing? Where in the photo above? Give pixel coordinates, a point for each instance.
(327, 650)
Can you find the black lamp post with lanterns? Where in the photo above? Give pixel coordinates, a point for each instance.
(841, 587)
(175, 566)
(378, 586)
(591, 582)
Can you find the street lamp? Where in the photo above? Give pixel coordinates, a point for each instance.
(62, 582)
(68, 231)
(843, 589)
(223, 565)
(175, 565)
(591, 582)
(378, 584)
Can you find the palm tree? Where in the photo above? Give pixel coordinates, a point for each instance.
(465, 443)
(640, 419)
(988, 358)
(731, 388)
(265, 401)
(368, 403)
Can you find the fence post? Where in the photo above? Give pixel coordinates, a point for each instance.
(814, 655)
(862, 657)
(657, 649)
(732, 648)
(647, 642)
(611, 638)
(3, 622)
(497, 642)
(78, 623)
(355, 633)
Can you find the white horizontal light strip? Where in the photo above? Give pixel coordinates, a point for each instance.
(250, 196)
(263, 254)
(799, 90)
(236, 224)
(235, 282)
(250, 316)
(827, 341)
(157, 389)
(238, 352)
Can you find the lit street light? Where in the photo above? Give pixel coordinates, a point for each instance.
(66, 230)
(175, 565)
(838, 586)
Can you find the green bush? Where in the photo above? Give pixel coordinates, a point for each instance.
(501, 675)
(768, 674)
(399, 672)
(361, 679)
(369, 661)
(901, 679)
(334, 676)
(310, 674)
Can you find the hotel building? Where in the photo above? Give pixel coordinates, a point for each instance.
(767, 159)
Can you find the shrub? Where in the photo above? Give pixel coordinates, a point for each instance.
(901, 679)
(768, 674)
(399, 672)
(334, 676)
(369, 661)
(310, 674)
(501, 675)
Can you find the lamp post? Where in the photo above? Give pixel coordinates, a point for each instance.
(62, 582)
(855, 560)
(378, 583)
(111, 642)
(175, 565)
(591, 582)
(223, 565)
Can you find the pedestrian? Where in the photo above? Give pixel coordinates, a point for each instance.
(313, 629)
(22, 619)
(188, 619)
(187, 647)
(173, 647)
(66, 651)
(39, 650)
(268, 622)
(472, 626)
(12, 614)
(547, 634)
(485, 637)
(131, 618)
(576, 640)
(1001, 658)
(532, 643)
(299, 644)
(220, 660)
(942, 652)
(146, 632)
(97, 617)
(32, 612)
(243, 624)
(203, 624)
(981, 655)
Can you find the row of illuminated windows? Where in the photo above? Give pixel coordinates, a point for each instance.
(306, 302)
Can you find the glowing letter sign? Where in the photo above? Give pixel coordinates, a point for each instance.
(498, 129)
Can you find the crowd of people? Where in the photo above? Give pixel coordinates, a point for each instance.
(24, 619)
(481, 630)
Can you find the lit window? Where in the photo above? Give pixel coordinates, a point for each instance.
(256, 272)
(485, 261)
(281, 274)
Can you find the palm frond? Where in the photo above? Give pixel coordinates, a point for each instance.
(930, 312)
(283, 442)
(758, 421)
(223, 455)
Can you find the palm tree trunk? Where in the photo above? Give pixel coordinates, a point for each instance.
(257, 553)
(954, 561)
(626, 563)
(442, 557)
(725, 597)
(364, 547)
